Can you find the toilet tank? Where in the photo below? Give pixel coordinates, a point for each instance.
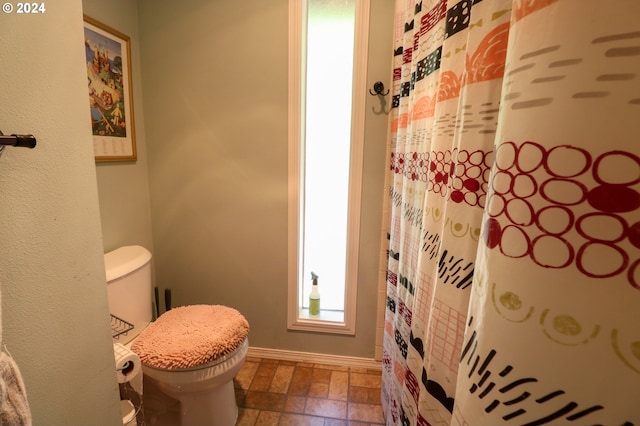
(128, 271)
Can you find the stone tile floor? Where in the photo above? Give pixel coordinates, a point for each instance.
(281, 393)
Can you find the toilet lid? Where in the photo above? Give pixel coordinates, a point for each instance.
(189, 336)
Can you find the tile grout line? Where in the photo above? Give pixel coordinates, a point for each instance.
(348, 394)
(306, 398)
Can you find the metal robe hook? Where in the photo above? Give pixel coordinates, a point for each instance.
(378, 89)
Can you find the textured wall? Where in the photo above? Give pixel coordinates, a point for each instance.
(123, 188)
(54, 303)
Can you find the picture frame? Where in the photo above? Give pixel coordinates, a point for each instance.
(108, 60)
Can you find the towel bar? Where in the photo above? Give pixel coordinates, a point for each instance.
(26, 141)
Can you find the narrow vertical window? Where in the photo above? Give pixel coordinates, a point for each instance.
(327, 69)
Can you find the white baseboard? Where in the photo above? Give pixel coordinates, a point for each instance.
(345, 361)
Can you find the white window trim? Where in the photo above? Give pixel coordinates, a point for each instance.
(296, 109)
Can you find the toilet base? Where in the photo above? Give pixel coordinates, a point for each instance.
(216, 408)
(159, 408)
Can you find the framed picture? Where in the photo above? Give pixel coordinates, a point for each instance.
(108, 57)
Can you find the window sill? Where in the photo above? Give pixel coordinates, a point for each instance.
(327, 322)
(325, 316)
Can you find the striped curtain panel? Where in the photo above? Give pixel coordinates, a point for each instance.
(513, 280)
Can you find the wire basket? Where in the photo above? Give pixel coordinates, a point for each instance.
(119, 326)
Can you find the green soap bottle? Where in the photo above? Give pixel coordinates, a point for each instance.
(314, 297)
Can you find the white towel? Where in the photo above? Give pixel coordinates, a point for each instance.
(14, 407)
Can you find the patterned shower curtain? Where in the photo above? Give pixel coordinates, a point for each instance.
(513, 280)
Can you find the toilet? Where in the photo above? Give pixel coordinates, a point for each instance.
(191, 353)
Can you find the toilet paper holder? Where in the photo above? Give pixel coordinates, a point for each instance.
(126, 368)
(128, 393)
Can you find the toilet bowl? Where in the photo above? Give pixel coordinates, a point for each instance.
(206, 394)
(190, 353)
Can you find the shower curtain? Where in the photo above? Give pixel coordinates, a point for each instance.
(513, 279)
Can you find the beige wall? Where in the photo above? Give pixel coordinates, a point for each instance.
(214, 77)
(54, 300)
(124, 187)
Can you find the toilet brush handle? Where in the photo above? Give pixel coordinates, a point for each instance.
(156, 296)
(167, 299)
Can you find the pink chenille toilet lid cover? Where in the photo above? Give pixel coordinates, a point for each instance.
(189, 336)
